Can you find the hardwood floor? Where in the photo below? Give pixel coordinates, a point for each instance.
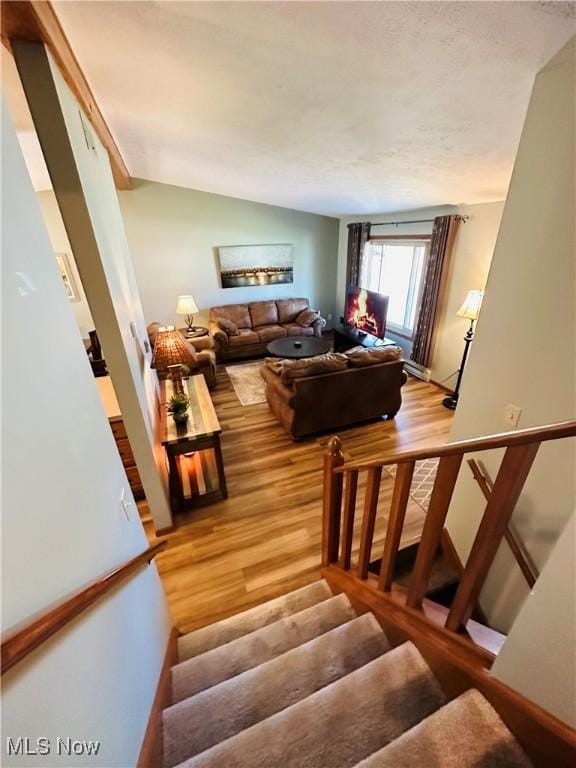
(264, 540)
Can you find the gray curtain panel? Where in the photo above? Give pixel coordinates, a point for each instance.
(443, 234)
(358, 235)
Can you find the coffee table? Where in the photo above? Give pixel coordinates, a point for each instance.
(297, 347)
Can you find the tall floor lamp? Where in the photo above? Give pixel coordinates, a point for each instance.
(470, 310)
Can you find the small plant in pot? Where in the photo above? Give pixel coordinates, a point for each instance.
(178, 407)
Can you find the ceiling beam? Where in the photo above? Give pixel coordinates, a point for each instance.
(37, 22)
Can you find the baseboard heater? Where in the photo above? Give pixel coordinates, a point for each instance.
(417, 370)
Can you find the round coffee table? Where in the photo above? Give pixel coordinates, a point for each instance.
(297, 347)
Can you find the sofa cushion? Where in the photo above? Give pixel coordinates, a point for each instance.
(307, 317)
(293, 329)
(361, 356)
(245, 336)
(275, 364)
(227, 325)
(237, 313)
(313, 366)
(289, 309)
(263, 313)
(268, 333)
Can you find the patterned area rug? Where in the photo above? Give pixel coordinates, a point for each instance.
(422, 480)
(248, 384)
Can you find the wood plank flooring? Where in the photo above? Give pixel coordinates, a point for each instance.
(264, 540)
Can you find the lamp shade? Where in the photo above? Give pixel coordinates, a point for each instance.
(471, 307)
(186, 305)
(171, 348)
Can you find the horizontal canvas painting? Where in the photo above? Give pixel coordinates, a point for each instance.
(248, 265)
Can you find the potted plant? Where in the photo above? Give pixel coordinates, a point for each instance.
(178, 407)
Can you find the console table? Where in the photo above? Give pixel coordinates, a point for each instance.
(348, 337)
(196, 467)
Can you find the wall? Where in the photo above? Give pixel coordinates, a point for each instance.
(83, 184)
(538, 658)
(173, 234)
(62, 524)
(468, 269)
(525, 347)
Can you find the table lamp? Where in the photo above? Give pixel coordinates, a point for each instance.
(171, 352)
(470, 310)
(187, 306)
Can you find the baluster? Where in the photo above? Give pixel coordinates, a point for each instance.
(369, 519)
(510, 480)
(331, 501)
(400, 497)
(350, 489)
(448, 469)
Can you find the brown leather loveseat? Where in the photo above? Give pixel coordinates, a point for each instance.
(244, 330)
(337, 398)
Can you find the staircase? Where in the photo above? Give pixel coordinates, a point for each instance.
(304, 681)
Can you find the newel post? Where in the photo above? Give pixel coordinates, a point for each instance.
(332, 501)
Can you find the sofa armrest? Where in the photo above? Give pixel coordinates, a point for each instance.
(318, 324)
(276, 387)
(220, 337)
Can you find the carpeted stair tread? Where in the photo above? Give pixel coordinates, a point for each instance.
(226, 661)
(218, 713)
(339, 725)
(224, 631)
(466, 733)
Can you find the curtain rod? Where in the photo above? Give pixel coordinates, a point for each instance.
(464, 219)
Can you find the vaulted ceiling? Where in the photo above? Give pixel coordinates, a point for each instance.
(330, 107)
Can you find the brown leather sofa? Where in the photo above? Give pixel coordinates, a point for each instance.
(257, 324)
(329, 401)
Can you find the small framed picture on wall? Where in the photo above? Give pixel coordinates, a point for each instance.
(67, 276)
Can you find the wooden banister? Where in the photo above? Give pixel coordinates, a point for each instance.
(29, 634)
(446, 477)
(369, 520)
(348, 516)
(503, 440)
(510, 480)
(332, 501)
(525, 564)
(400, 497)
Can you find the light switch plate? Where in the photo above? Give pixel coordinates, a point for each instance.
(125, 503)
(512, 415)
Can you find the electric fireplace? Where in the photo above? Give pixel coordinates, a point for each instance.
(366, 311)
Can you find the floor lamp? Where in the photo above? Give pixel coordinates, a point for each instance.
(470, 310)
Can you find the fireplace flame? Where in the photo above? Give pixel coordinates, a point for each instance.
(360, 316)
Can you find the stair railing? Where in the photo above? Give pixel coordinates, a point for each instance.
(341, 482)
(29, 634)
(522, 557)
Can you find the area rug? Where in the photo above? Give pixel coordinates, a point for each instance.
(248, 384)
(422, 480)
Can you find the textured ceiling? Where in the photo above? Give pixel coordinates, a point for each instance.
(337, 108)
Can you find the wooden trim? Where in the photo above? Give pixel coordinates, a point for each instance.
(512, 475)
(36, 21)
(442, 387)
(400, 497)
(459, 665)
(152, 751)
(529, 570)
(332, 502)
(556, 431)
(29, 634)
(348, 519)
(399, 237)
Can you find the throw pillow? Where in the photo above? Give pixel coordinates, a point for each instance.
(307, 317)
(361, 356)
(228, 326)
(313, 366)
(275, 364)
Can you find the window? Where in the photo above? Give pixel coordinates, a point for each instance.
(395, 268)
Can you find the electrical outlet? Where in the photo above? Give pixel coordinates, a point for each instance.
(125, 503)
(133, 330)
(512, 415)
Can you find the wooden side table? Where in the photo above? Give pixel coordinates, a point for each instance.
(195, 463)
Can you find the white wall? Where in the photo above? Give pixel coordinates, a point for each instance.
(468, 269)
(173, 234)
(62, 524)
(538, 658)
(525, 347)
(82, 179)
